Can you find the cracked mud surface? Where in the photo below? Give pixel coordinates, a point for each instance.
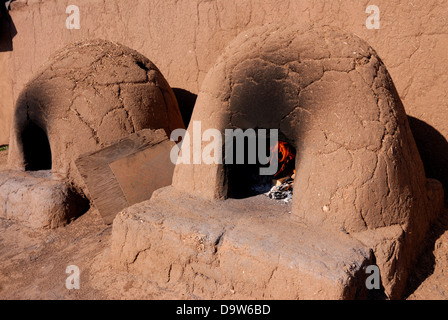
(33, 263)
(310, 83)
(184, 38)
(411, 44)
(89, 95)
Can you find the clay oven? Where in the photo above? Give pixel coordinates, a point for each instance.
(89, 95)
(329, 93)
(359, 180)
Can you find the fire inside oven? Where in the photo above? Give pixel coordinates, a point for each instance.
(244, 180)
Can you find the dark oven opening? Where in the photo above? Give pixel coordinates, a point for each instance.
(244, 163)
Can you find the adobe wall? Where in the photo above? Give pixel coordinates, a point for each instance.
(184, 38)
(6, 100)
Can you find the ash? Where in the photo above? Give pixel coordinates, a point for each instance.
(274, 189)
(282, 192)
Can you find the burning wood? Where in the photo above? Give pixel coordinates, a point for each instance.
(283, 181)
(279, 182)
(282, 191)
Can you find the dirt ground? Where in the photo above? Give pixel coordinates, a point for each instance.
(33, 263)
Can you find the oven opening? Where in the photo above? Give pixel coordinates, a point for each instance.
(36, 148)
(244, 178)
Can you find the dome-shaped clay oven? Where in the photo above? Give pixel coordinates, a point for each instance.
(89, 95)
(330, 95)
(358, 175)
(357, 168)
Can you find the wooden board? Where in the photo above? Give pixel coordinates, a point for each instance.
(127, 172)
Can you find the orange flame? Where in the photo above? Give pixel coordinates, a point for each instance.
(284, 153)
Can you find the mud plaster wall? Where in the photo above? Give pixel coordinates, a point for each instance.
(6, 100)
(184, 38)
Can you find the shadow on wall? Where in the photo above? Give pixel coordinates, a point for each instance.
(186, 101)
(7, 28)
(433, 149)
(426, 263)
